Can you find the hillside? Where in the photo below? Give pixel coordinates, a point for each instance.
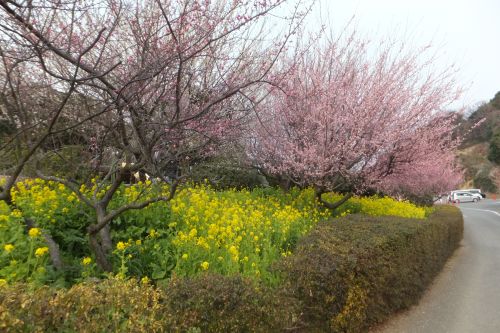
(479, 171)
(480, 150)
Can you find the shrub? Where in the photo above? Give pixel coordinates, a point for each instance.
(353, 272)
(65, 162)
(483, 181)
(108, 306)
(226, 173)
(378, 206)
(209, 303)
(214, 303)
(494, 148)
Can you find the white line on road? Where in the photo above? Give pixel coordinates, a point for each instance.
(483, 210)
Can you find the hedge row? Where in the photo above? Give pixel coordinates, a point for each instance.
(354, 273)
(209, 303)
(345, 276)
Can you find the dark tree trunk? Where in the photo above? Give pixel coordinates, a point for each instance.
(285, 184)
(107, 244)
(100, 255)
(100, 240)
(54, 252)
(332, 205)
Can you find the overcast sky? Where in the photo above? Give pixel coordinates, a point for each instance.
(466, 33)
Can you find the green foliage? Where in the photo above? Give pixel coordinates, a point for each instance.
(6, 129)
(57, 211)
(495, 101)
(68, 161)
(483, 181)
(494, 148)
(224, 173)
(23, 257)
(424, 200)
(352, 273)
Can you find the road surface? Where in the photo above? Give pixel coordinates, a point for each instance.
(465, 297)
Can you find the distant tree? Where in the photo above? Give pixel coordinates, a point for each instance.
(495, 101)
(481, 122)
(483, 180)
(346, 119)
(479, 126)
(494, 148)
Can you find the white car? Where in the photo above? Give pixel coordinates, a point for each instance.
(462, 196)
(476, 195)
(476, 191)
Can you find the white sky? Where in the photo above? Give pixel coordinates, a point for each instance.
(466, 33)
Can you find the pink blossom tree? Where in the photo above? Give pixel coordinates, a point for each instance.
(348, 119)
(425, 178)
(169, 82)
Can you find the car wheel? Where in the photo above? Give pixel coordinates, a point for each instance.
(474, 200)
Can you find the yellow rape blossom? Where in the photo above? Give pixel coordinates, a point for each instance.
(41, 251)
(121, 246)
(8, 248)
(86, 261)
(16, 213)
(193, 233)
(204, 265)
(34, 232)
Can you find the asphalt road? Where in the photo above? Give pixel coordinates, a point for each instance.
(465, 297)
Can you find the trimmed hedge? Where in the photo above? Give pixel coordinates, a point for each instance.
(215, 303)
(345, 276)
(353, 273)
(209, 303)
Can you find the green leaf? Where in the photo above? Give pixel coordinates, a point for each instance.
(157, 275)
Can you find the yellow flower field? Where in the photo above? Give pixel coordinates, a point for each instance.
(200, 229)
